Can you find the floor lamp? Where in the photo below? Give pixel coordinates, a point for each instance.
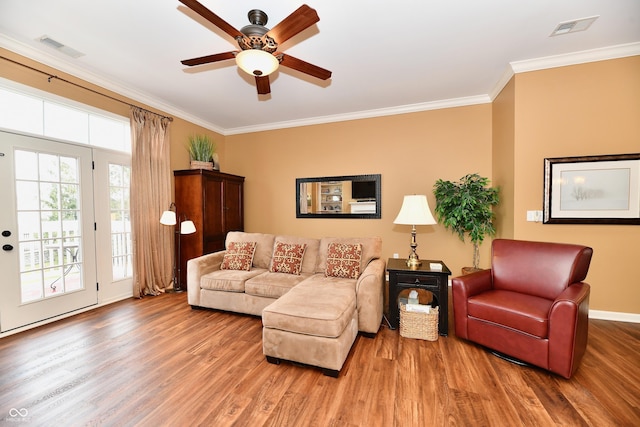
(186, 227)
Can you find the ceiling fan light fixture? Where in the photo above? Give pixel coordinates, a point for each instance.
(257, 62)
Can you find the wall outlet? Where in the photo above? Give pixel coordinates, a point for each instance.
(396, 255)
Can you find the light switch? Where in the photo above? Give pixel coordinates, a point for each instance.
(534, 216)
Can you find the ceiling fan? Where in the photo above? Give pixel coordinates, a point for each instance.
(259, 54)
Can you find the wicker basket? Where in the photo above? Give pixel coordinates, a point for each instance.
(418, 325)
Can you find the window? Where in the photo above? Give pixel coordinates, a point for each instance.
(63, 120)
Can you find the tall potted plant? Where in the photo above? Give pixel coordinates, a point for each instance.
(202, 151)
(464, 207)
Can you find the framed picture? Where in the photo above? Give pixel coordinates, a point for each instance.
(592, 189)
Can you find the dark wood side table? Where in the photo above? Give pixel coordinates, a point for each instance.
(437, 282)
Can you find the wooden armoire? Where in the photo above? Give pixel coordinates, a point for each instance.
(214, 202)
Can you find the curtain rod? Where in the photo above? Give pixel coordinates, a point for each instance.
(53, 76)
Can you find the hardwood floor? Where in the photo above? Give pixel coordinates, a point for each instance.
(157, 362)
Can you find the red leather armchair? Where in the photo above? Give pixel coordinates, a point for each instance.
(531, 305)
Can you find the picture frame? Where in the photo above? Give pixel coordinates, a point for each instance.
(592, 189)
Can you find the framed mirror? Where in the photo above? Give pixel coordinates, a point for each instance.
(349, 196)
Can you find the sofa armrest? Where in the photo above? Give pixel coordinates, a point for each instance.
(198, 267)
(462, 288)
(370, 296)
(568, 329)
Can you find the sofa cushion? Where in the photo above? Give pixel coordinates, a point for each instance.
(228, 280)
(371, 249)
(313, 310)
(239, 256)
(310, 259)
(287, 257)
(272, 285)
(343, 260)
(513, 310)
(264, 246)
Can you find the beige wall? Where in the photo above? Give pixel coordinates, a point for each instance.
(590, 109)
(410, 151)
(586, 109)
(503, 153)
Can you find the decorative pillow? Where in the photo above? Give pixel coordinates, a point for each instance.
(239, 256)
(287, 257)
(343, 260)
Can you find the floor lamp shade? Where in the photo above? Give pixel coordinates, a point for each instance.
(414, 211)
(187, 227)
(168, 218)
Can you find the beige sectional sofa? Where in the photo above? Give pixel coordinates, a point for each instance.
(311, 316)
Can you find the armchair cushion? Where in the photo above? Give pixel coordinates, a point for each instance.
(518, 311)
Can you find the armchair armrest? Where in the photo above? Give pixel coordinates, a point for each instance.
(370, 296)
(462, 288)
(569, 328)
(196, 268)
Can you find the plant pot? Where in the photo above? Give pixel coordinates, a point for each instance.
(201, 165)
(469, 270)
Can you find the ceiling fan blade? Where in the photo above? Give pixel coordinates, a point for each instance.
(208, 59)
(301, 19)
(304, 67)
(211, 17)
(262, 83)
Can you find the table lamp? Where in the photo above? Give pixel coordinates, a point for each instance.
(414, 211)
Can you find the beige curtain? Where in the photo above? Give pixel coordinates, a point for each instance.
(150, 196)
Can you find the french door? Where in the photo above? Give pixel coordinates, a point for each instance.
(48, 259)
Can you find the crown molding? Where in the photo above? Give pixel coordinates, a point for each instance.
(123, 90)
(556, 61)
(575, 58)
(366, 114)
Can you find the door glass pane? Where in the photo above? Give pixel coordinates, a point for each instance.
(49, 225)
(49, 167)
(27, 160)
(31, 289)
(120, 221)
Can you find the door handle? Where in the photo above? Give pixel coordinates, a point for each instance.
(6, 233)
(7, 247)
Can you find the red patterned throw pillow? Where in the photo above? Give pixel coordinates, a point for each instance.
(287, 257)
(239, 256)
(343, 260)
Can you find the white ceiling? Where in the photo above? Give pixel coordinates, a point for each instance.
(387, 57)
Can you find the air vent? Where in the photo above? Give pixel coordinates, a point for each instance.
(573, 26)
(48, 41)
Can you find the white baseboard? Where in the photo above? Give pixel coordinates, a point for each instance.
(64, 316)
(615, 316)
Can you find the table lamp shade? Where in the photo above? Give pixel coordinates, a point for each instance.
(415, 211)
